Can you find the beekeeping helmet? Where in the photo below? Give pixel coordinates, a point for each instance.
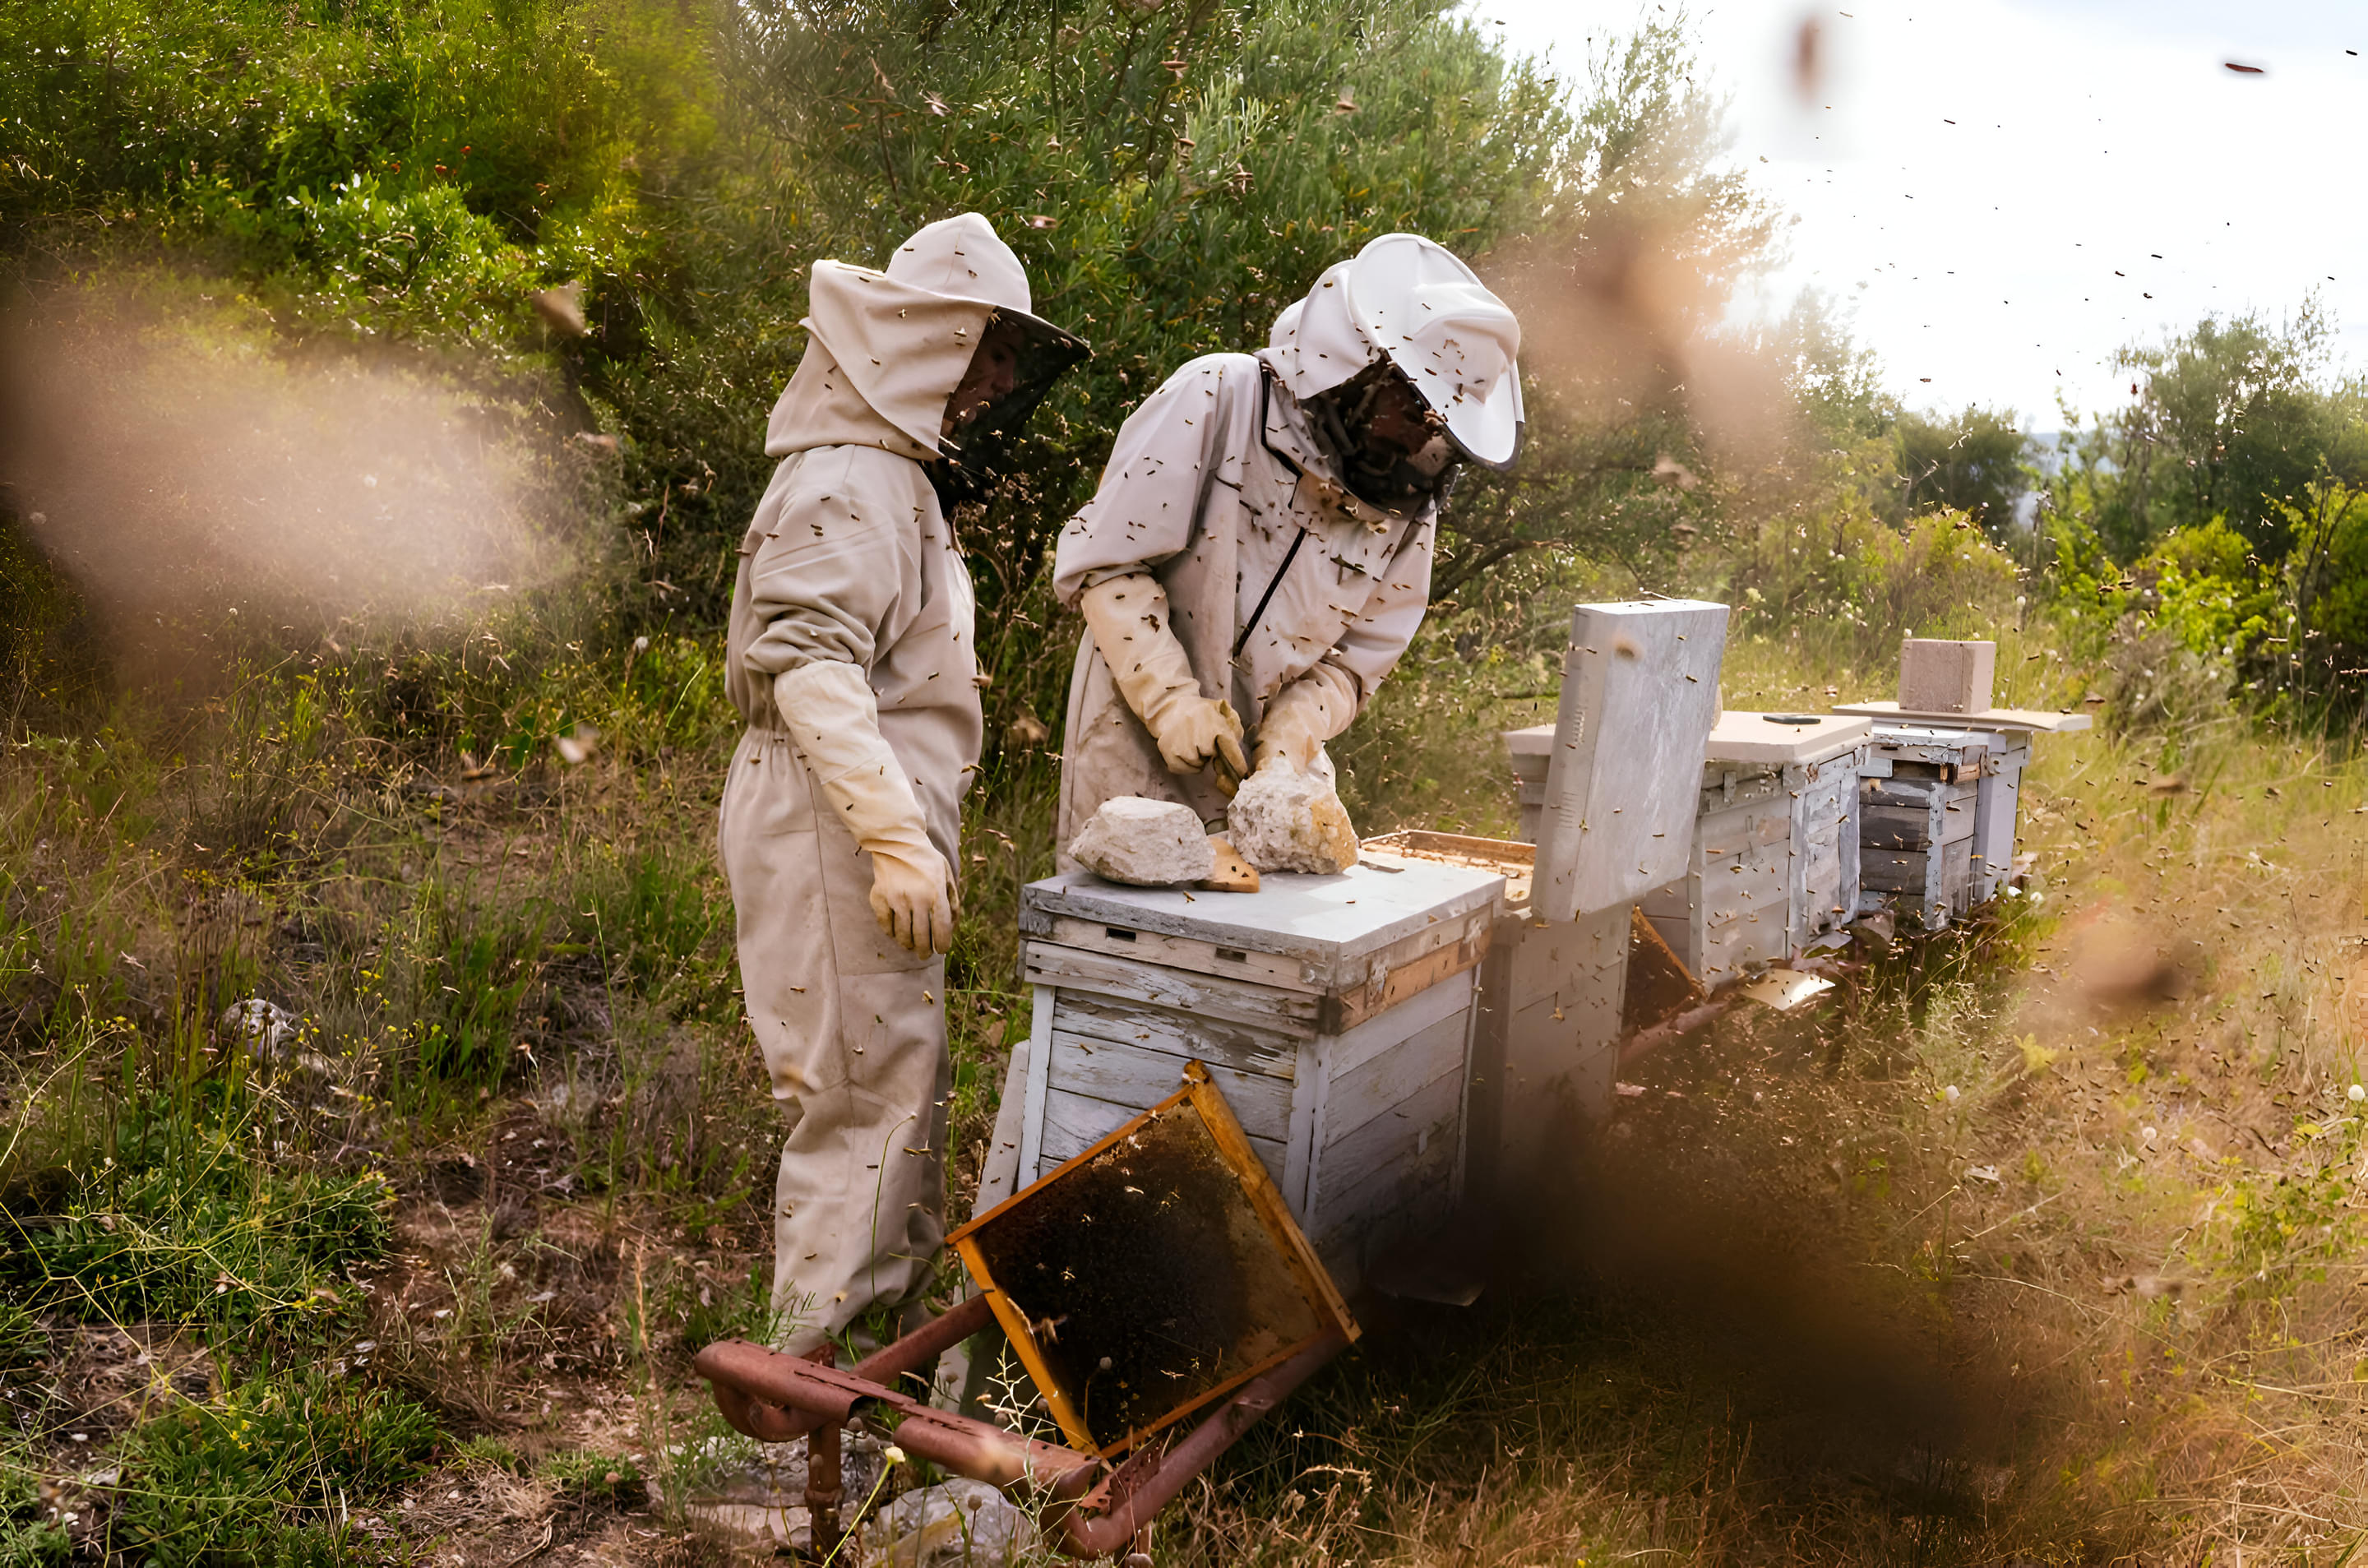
(1413, 303)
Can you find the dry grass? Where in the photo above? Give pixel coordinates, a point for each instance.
(1800, 1304)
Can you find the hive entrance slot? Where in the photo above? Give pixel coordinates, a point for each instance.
(1118, 933)
(1234, 955)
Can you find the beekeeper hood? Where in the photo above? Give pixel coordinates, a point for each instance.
(1412, 302)
(890, 347)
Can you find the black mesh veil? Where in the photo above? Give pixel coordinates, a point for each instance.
(979, 454)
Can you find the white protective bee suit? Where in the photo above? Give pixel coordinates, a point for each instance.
(849, 655)
(1225, 559)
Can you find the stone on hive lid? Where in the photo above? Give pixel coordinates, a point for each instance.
(1283, 820)
(1938, 676)
(1146, 844)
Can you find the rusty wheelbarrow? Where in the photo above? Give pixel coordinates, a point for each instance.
(1151, 1277)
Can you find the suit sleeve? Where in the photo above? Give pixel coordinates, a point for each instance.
(825, 579)
(1144, 511)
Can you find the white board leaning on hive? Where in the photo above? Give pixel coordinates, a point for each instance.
(1335, 1014)
(1639, 693)
(1775, 846)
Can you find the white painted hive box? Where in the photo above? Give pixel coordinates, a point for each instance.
(1335, 1013)
(1639, 694)
(1775, 860)
(1545, 1051)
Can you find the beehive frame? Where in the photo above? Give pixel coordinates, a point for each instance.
(1200, 1095)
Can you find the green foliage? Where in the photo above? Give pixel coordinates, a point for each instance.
(2290, 1226)
(27, 1540)
(24, 1343)
(1857, 584)
(411, 164)
(2234, 420)
(2202, 586)
(259, 1479)
(182, 1222)
(1173, 178)
(2329, 526)
(585, 1478)
(1971, 462)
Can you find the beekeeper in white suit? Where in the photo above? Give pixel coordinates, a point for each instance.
(849, 655)
(1258, 555)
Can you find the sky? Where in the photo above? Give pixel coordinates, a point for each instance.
(2001, 193)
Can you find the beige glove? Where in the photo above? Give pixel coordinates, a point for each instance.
(1302, 716)
(835, 719)
(1128, 618)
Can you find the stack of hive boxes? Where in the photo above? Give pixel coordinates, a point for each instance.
(1335, 1013)
(1775, 857)
(1944, 782)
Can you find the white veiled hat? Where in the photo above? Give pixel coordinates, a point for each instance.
(1415, 301)
(903, 335)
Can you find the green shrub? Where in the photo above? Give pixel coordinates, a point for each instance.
(27, 1540)
(257, 1479)
(587, 1479)
(184, 1222)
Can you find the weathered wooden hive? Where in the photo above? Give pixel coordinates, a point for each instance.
(1335, 1013)
(1545, 1048)
(1775, 860)
(1919, 804)
(1944, 689)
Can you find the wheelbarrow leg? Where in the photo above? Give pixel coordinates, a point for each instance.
(824, 1481)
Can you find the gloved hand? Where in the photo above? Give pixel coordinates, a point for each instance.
(913, 897)
(1128, 618)
(1301, 717)
(834, 717)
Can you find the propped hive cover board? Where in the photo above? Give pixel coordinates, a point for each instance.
(1151, 1274)
(1639, 695)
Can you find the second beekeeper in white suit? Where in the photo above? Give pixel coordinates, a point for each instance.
(1258, 555)
(849, 655)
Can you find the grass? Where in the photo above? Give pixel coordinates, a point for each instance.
(2076, 1184)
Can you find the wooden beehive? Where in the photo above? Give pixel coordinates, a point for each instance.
(1919, 809)
(1775, 861)
(1545, 1051)
(1335, 1013)
(1998, 801)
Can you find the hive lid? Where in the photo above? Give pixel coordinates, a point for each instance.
(1321, 920)
(1155, 1272)
(2036, 720)
(1639, 694)
(1748, 735)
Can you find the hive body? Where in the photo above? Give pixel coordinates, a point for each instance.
(1335, 1014)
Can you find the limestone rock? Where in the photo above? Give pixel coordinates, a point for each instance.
(1147, 844)
(1286, 820)
(757, 1490)
(956, 1524)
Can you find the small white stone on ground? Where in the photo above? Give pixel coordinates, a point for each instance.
(1283, 820)
(957, 1524)
(1146, 844)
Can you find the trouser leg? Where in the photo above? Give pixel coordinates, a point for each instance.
(859, 1203)
(852, 1029)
